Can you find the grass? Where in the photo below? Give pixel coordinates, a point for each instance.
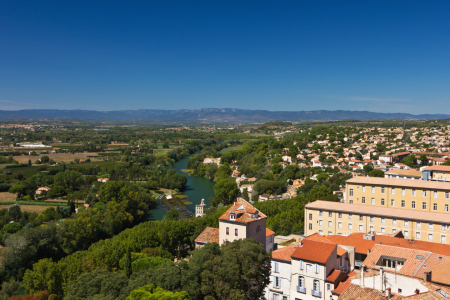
(226, 150)
(30, 208)
(7, 197)
(58, 157)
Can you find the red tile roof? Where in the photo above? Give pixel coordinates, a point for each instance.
(355, 292)
(284, 253)
(334, 275)
(209, 235)
(243, 211)
(314, 251)
(269, 232)
(318, 237)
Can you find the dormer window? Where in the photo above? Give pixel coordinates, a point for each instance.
(233, 216)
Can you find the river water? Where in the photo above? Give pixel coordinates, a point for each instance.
(197, 188)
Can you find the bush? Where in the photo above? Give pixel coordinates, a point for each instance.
(12, 227)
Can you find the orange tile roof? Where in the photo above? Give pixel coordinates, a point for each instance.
(355, 292)
(269, 232)
(438, 168)
(209, 235)
(400, 182)
(243, 211)
(314, 251)
(334, 275)
(410, 266)
(404, 214)
(439, 265)
(318, 237)
(284, 253)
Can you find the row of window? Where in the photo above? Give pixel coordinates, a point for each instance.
(236, 231)
(403, 192)
(402, 204)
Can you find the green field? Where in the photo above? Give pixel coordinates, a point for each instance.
(223, 151)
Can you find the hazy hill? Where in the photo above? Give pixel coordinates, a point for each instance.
(213, 115)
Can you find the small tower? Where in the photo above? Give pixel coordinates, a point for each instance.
(200, 209)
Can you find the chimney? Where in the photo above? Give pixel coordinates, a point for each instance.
(427, 276)
(381, 279)
(417, 291)
(362, 276)
(388, 293)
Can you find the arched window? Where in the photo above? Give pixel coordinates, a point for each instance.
(301, 281)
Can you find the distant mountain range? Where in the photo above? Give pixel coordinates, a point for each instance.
(212, 115)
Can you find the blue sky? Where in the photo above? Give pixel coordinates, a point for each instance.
(383, 56)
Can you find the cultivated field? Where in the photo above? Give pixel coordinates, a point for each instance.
(65, 157)
(5, 196)
(29, 208)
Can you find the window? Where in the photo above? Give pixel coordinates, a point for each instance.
(351, 192)
(301, 281)
(371, 228)
(276, 297)
(443, 239)
(340, 215)
(285, 297)
(435, 194)
(302, 265)
(340, 225)
(394, 230)
(392, 202)
(447, 196)
(413, 204)
(330, 233)
(406, 233)
(424, 193)
(330, 214)
(330, 223)
(276, 267)
(320, 223)
(360, 217)
(383, 220)
(228, 230)
(350, 226)
(363, 200)
(309, 268)
(403, 192)
(434, 206)
(310, 226)
(443, 227)
(316, 285)
(382, 189)
(373, 201)
(446, 207)
(399, 291)
(383, 230)
(382, 201)
(413, 192)
(430, 226)
(424, 205)
(350, 216)
(310, 217)
(363, 188)
(371, 219)
(321, 232)
(360, 228)
(320, 213)
(417, 235)
(394, 221)
(430, 237)
(328, 287)
(406, 223)
(236, 232)
(403, 203)
(316, 267)
(373, 189)
(417, 224)
(393, 191)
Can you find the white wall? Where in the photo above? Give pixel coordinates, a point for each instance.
(284, 274)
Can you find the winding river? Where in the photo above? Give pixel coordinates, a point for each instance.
(197, 188)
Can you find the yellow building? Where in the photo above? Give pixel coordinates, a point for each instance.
(334, 218)
(415, 195)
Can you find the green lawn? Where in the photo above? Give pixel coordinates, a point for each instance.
(223, 151)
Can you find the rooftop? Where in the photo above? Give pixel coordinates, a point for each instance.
(315, 251)
(209, 235)
(417, 184)
(244, 212)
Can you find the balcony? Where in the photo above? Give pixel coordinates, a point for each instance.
(316, 293)
(301, 289)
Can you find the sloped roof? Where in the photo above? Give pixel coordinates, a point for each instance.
(439, 265)
(418, 184)
(334, 275)
(243, 211)
(355, 292)
(318, 237)
(209, 235)
(284, 253)
(314, 251)
(269, 232)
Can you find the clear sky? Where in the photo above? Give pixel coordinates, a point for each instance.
(382, 56)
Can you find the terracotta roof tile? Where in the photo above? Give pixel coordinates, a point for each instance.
(314, 251)
(401, 182)
(269, 232)
(334, 275)
(355, 292)
(284, 253)
(243, 211)
(209, 235)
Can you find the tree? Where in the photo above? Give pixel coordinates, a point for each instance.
(44, 159)
(226, 190)
(172, 214)
(14, 212)
(157, 293)
(128, 268)
(367, 168)
(18, 189)
(376, 173)
(245, 194)
(29, 162)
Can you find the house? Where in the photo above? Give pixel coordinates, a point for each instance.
(317, 163)
(102, 180)
(270, 240)
(287, 158)
(264, 197)
(403, 174)
(42, 190)
(240, 221)
(208, 161)
(386, 158)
